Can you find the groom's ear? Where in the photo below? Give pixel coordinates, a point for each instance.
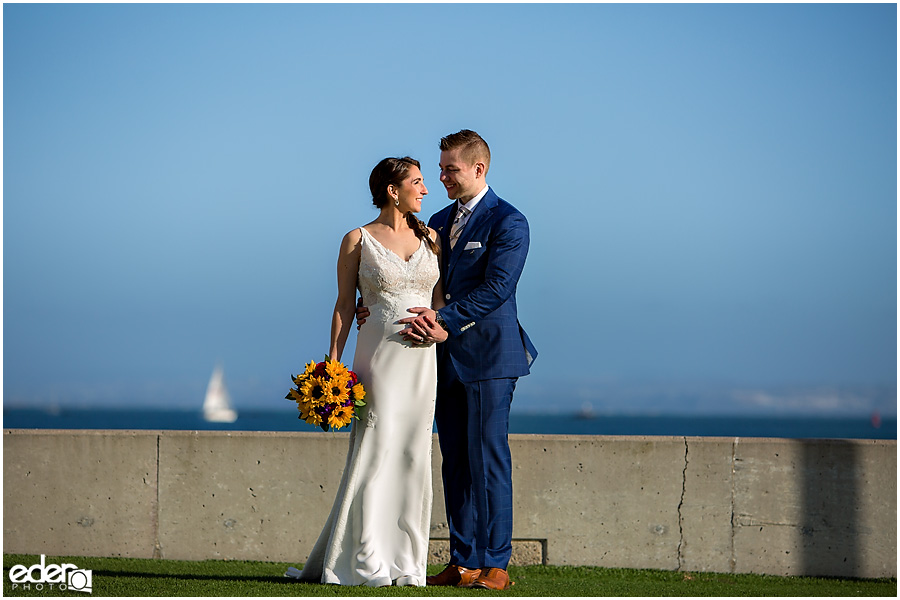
(480, 169)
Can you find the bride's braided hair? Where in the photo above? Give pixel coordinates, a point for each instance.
(392, 171)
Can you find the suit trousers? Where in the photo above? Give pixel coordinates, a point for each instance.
(473, 426)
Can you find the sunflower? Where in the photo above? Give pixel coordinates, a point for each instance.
(309, 414)
(304, 409)
(340, 394)
(334, 368)
(319, 391)
(359, 393)
(327, 392)
(341, 417)
(306, 389)
(339, 386)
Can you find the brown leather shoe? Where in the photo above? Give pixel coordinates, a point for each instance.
(493, 579)
(455, 576)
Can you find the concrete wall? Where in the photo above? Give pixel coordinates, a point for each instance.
(775, 506)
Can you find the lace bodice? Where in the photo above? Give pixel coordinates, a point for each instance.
(389, 285)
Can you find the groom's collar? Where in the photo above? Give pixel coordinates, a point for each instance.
(471, 204)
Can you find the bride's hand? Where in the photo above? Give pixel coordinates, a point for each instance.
(422, 329)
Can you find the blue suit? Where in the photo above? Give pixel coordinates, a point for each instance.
(478, 366)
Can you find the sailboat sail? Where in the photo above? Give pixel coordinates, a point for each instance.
(217, 404)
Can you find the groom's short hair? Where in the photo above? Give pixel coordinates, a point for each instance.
(473, 146)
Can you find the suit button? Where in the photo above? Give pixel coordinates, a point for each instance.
(446, 296)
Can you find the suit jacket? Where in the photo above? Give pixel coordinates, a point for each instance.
(480, 276)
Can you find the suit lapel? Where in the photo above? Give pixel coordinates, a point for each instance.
(480, 215)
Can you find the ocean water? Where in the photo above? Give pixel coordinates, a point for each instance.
(286, 420)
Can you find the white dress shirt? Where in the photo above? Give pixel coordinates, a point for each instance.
(466, 214)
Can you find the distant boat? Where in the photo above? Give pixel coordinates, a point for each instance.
(876, 420)
(217, 404)
(586, 412)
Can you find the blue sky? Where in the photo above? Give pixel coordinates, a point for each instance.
(712, 189)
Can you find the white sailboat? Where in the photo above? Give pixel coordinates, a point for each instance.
(217, 404)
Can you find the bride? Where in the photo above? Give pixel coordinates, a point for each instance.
(377, 532)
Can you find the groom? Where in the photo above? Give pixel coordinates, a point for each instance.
(484, 242)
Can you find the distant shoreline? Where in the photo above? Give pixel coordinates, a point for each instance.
(570, 423)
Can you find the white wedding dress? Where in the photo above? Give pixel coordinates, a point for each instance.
(377, 532)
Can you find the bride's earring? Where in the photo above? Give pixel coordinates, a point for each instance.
(396, 201)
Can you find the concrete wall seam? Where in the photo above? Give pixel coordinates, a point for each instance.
(733, 558)
(681, 504)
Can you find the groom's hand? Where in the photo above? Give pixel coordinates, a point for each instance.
(423, 328)
(362, 313)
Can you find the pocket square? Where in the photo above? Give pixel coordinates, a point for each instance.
(472, 245)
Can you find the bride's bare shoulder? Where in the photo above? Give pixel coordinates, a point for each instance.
(351, 240)
(434, 236)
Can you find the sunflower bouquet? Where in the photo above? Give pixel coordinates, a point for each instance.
(327, 394)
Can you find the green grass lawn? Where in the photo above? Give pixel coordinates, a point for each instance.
(147, 577)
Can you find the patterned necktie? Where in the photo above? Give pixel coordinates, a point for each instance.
(458, 224)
